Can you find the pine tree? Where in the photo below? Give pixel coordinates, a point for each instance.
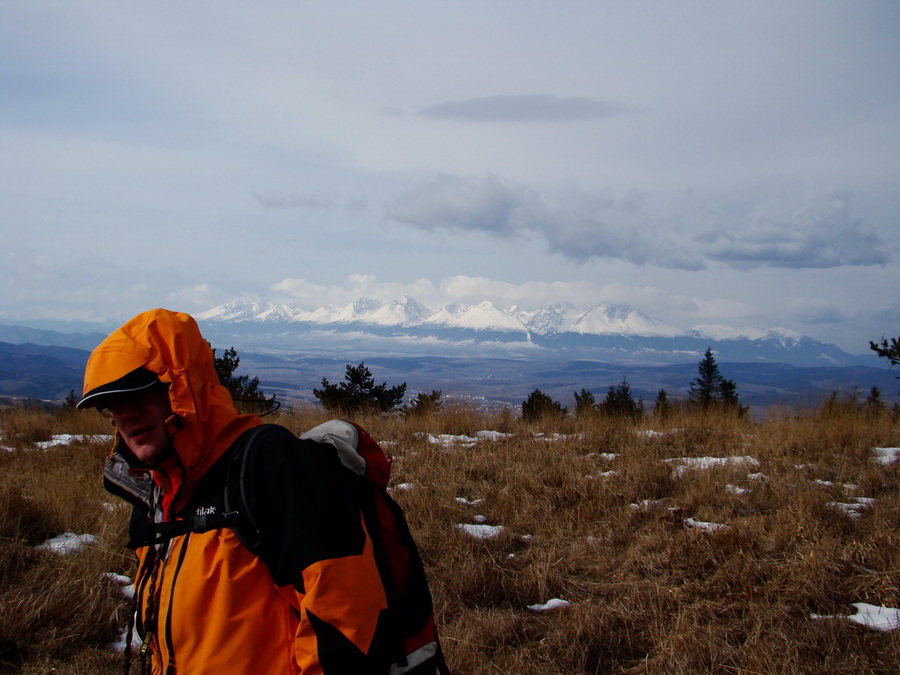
(619, 402)
(71, 400)
(585, 403)
(888, 350)
(706, 388)
(424, 404)
(831, 405)
(891, 352)
(874, 405)
(358, 393)
(539, 405)
(661, 404)
(729, 394)
(244, 390)
(709, 389)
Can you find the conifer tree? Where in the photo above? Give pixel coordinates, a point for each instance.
(888, 350)
(706, 388)
(358, 393)
(424, 404)
(539, 405)
(244, 390)
(710, 389)
(585, 403)
(729, 394)
(661, 404)
(619, 402)
(71, 400)
(874, 405)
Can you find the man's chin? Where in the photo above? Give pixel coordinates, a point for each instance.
(148, 453)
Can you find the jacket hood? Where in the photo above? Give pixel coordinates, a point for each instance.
(170, 345)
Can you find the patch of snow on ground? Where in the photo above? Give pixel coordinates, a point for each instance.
(468, 502)
(67, 543)
(117, 578)
(855, 508)
(448, 440)
(481, 531)
(492, 435)
(119, 645)
(549, 606)
(886, 455)
(554, 436)
(758, 476)
(689, 463)
(127, 584)
(68, 439)
(645, 505)
(871, 616)
(701, 525)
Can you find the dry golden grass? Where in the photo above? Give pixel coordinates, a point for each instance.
(592, 513)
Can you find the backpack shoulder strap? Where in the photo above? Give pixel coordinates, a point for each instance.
(235, 514)
(236, 502)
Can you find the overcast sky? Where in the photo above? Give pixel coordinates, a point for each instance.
(705, 162)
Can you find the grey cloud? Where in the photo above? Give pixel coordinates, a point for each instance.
(599, 240)
(455, 203)
(818, 312)
(578, 225)
(529, 108)
(818, 234)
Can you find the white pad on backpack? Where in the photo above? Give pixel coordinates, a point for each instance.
(343, 436)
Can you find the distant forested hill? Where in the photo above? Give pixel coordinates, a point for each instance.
(36, 371)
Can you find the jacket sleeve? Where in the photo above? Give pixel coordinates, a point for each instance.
(314, 541)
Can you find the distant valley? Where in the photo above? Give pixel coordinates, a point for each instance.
(492, 356)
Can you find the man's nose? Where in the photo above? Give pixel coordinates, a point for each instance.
(124, 408)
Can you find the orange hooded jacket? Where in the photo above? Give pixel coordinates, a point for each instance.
(205, 603)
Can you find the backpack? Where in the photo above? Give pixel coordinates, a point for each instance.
(396, 554)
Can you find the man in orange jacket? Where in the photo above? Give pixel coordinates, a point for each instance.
(308, 599)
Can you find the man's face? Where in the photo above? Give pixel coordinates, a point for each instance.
(141, 418)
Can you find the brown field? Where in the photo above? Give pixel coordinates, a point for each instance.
(611, 535)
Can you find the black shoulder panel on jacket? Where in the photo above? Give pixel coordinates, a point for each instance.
(339, 656)
(304, 502)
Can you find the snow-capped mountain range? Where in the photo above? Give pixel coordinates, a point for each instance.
(405, 327)
(406, 312)
(480, 350)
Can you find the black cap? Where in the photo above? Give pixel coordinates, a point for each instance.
(136, 380)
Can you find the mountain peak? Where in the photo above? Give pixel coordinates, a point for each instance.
(614, 319)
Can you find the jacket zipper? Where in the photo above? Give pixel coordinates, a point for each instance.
(155, 560)
(170, 667)
(140, 593)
